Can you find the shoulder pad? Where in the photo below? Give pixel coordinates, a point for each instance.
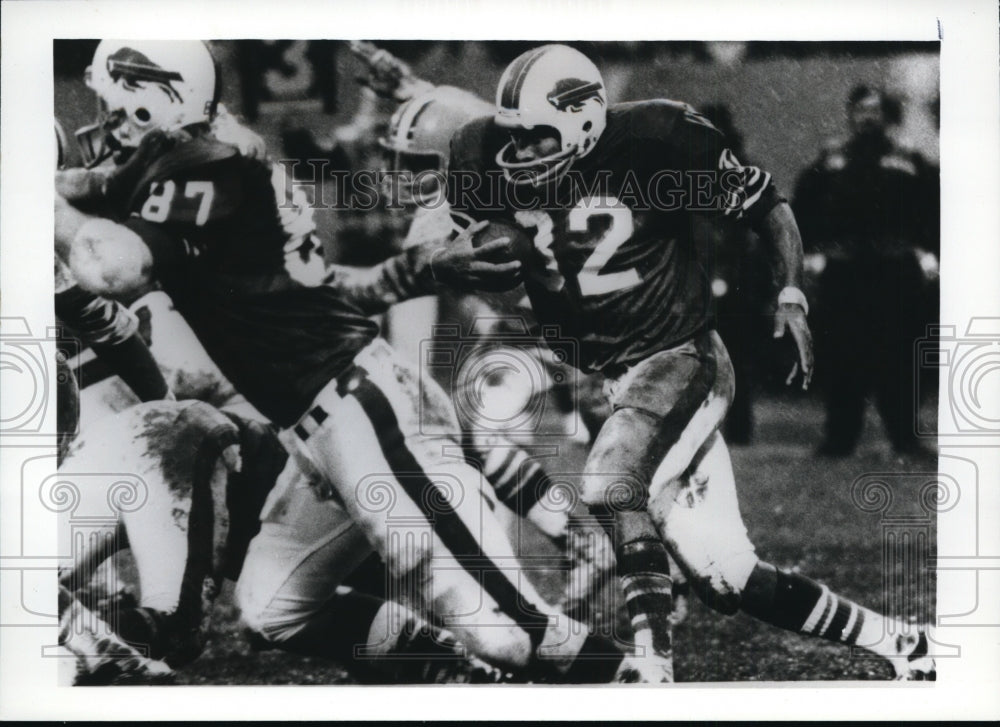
(655, 118)
(195, 153)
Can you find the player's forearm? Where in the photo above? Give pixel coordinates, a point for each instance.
(84, 185)
(779, 231)
(376, 289)
(104, 257)
(95, 319)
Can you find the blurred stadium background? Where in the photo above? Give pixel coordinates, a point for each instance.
(787, 100)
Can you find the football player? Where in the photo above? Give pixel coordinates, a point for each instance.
(419, 142)
(398, 646)
(193, 375)
(199, 219)
(609, 193)
(203, 477)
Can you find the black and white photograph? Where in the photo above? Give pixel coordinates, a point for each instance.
(427, 360)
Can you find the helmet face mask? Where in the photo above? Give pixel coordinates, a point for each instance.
(415, 163)
(146, 85)
(557, 88)
(413, 178)
(535, 156)
(98, 141)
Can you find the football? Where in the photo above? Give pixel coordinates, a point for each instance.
(519, 242)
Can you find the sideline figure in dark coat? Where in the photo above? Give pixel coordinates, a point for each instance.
(869, 212)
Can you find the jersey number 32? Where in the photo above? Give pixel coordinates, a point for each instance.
(591, 278)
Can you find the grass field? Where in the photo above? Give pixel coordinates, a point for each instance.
(800, 514)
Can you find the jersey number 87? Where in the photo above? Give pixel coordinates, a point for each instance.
(158, 205)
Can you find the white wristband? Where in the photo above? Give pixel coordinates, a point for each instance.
(794, 296)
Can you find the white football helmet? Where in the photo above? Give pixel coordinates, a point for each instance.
(419, 139)
(556, 87)
(143, 85)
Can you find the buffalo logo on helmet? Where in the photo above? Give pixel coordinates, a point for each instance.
(133, 67)
(570, 93)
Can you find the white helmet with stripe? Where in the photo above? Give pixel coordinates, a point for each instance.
(143, 85)
(557, 87)
(419, 137)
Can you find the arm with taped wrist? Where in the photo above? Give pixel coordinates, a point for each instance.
(400, 278)
(112, 332)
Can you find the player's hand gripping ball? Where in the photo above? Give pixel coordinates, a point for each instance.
(486, 256)
(518, 244)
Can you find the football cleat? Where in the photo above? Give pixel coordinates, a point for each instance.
(651, 669)
(468, 670)
(103, 659)
(918, 665)
(681, 590)
(440, 659)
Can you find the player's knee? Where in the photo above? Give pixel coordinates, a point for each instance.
(621, 462)
(409, 555)
(720, 585)
(498, 633)
(267, 618)
(505, 646)
(273, 629)
(252, 610)
(716, 558)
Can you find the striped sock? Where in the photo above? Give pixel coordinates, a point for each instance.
(519, 482)
(836, 619)
(797, 603)
(645, 578)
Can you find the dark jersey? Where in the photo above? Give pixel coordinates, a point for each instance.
(210, 218)
(617, 263)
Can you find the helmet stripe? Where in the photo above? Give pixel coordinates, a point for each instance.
(511, 96)
(411, 127)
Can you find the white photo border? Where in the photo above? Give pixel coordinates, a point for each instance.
(970, 164)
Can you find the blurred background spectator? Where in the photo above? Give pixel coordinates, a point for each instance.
(868, 210)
